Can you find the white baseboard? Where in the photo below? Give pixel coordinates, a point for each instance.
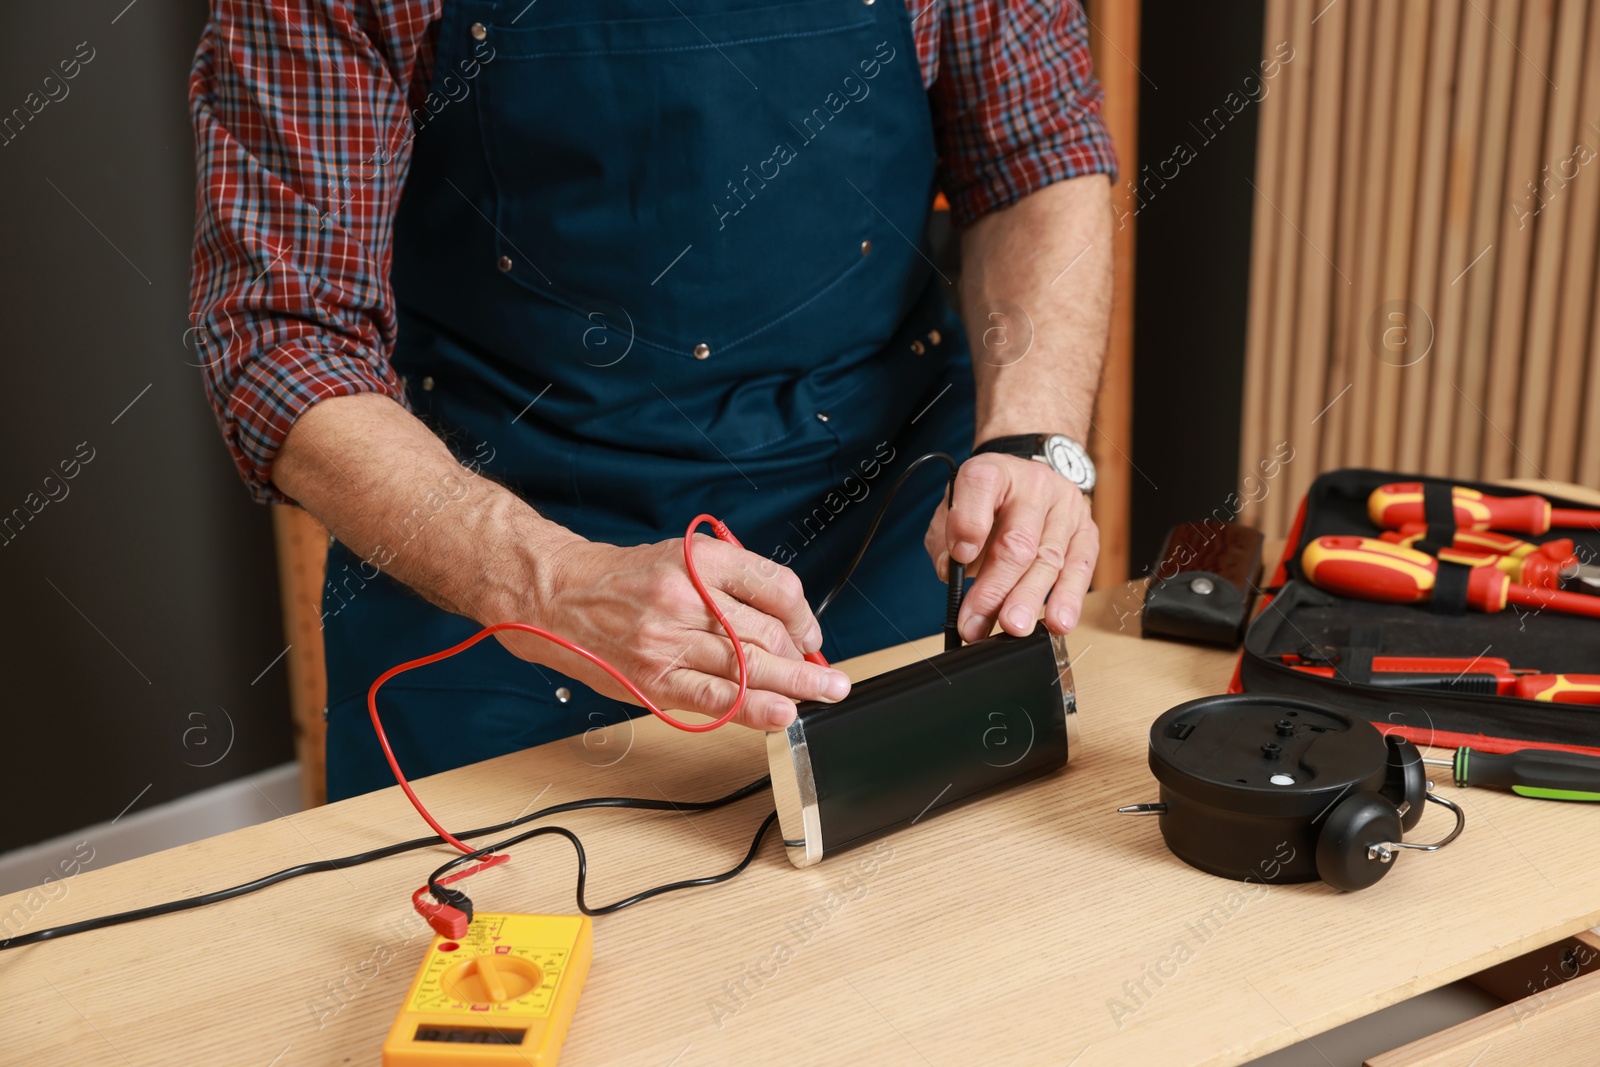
(255, 798)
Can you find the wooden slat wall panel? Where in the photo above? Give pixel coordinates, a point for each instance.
(1469, 425)
(1318, 276)
(1356, 407)
(1577, 271)
(1263, 257)
(1440, 151)
(1514, 253)
(1550, 237)
(1356, 118)
(1589, 442)
(1432, 176)
(1467, 211)
(1405, 151)
(1295, 88)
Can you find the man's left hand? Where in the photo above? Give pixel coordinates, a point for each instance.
(1025, 533)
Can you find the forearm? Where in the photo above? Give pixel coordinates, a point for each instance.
(1038, 274)
(388, 488)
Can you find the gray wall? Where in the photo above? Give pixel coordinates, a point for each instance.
(140, 606)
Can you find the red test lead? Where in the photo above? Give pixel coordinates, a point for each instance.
(722, 532)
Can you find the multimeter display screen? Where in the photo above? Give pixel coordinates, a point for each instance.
(469, 1035)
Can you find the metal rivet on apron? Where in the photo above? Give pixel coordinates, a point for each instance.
(822, 416)
(866, 246)
(933, 337)
(427, 384)
(563, 694)
(917, 348)
(702, 351)
(479, 31)
(504, 263)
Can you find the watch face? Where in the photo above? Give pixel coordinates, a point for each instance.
(1069, 458)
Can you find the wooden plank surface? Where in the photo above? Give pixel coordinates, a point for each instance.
(1036, 926)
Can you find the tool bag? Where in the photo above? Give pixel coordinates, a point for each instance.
(1297, 617)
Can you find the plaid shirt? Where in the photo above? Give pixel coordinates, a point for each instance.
(294, 100)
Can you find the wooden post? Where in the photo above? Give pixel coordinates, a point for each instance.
(1114, 42)
(302, 560)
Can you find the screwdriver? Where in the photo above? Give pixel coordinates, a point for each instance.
(1392, 506)
(1479, 675)
(1482, 675)
(1549, 566)
(1369, 569)
(1562, 550)
(1528, 772)
(1558, 688)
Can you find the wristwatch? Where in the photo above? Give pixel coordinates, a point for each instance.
(1056, 450)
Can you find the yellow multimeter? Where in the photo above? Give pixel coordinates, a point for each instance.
(503, 994)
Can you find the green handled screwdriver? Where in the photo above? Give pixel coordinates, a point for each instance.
(1530, 772)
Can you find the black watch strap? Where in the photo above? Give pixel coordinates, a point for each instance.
(1025, 445)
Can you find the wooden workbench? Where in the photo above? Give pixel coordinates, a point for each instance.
(1035, 927)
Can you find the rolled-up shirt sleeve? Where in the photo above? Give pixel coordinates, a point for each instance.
(1016, 106)
(302, 141)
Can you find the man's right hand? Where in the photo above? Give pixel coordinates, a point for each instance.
(637, 609)
(363, 463)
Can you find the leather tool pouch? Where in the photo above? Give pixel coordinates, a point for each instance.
(1204, 583)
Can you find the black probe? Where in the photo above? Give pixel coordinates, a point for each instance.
(956, 574)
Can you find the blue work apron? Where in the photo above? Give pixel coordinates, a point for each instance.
(651, 265)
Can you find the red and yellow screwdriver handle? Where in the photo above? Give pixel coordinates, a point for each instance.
(1535, 569)
(1560, 688)
(1522, 561)
(1563, 550)
(1369, 569)
(1393, 506)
